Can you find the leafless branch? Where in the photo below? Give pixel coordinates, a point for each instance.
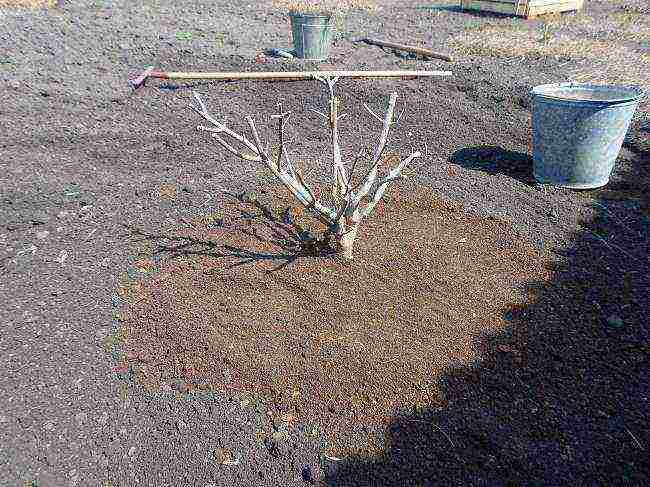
(372, 113)
(282, 119)
(381, 145)
(318, 113)
(395, 173)
(399, 119)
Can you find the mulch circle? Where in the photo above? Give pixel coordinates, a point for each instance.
(322, 345)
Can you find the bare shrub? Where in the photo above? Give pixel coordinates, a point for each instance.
(351, 201)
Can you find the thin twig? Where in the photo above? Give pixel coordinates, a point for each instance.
(220, 126)
(401, 115)
(610, 245)
(384, 182)
(443, 432)
(435, 426)
(234, 151)
(353, 168)
(317, 112)
(372, 113)
(282, 120)
(635, 440)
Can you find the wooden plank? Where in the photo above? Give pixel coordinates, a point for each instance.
(522, 3)
(527, 8)
(404, 47)
(541, 3)
(463, 2)
(486, 6)
(535, 10)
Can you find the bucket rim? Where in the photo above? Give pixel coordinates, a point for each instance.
(549, 90)
(310, 15)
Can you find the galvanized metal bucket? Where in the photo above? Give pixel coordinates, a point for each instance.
(578, 131)
(312, 36)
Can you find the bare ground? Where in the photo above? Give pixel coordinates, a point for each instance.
(552, 392)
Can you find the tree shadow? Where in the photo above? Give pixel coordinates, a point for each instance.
(496, 160)
(287, 239)
(484, 14)
(441, 7)
(446, 7)
(559, 398)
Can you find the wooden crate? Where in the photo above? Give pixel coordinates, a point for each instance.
(522, 8)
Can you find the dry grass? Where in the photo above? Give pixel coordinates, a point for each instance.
(620, 65)
(322, 6)
(638, 6)
(601, 51)
(28, 3)
(632, 25)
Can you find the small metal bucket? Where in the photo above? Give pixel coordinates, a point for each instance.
(312, 36)
(578, 131)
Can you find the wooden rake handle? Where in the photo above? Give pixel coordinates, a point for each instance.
(150, 72)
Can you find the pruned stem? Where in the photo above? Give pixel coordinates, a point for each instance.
(282, 119)
(379, 150)
(382, 184)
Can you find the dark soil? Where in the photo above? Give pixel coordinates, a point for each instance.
(546, 385)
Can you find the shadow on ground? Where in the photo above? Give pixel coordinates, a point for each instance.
(446, 7)
(496, 160)
(439, 7)
(286, 239)
(562, 397)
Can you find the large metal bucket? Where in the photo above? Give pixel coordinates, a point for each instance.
(312, 36)
(578, 130)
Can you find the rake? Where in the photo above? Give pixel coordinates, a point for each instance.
(150, 72)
